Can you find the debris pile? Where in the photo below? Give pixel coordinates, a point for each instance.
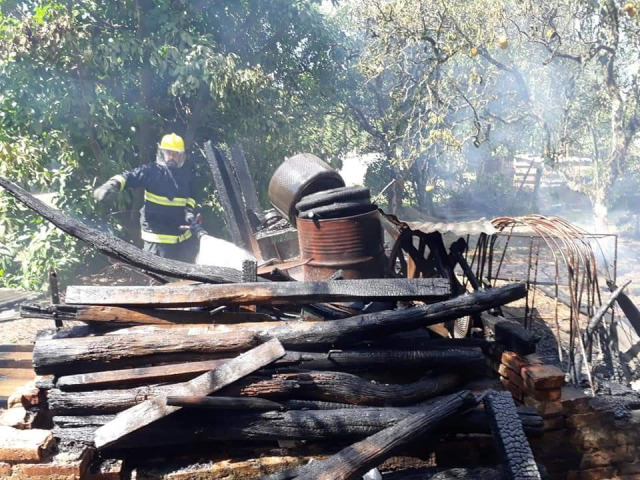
(160, 367)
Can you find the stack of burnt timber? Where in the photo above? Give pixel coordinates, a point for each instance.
(167, 366)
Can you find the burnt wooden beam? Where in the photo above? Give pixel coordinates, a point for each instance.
(511, 442)
(451, 358)
(245, 180)
(347, 388)
(62, 354)
(133, 316)
(628, 307)
(224, 403)
(359, 458)
(341, 360)
(599, 315)
(272, 293)
(117, 248)
(152, 410)
(510, 333)
(74, 355)
(354, 422)
(303, 335)
(129, 377)
(228, 189)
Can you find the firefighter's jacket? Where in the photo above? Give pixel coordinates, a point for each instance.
(168, 194)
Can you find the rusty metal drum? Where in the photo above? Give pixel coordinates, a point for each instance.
(298, 176)
(352, 244)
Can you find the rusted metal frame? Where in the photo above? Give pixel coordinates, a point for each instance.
(535, 282)
(526, 301)
(504, 251)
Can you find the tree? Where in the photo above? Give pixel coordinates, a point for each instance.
(448, 81)
(89, 87)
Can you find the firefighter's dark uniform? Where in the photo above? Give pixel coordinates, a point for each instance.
(168, 196)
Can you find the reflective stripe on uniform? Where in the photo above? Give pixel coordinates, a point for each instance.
(191, 203)
(158, 238)
(121, 180)
(160, 200)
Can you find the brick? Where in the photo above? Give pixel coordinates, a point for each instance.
(585, 420)
(18, 446)
(553, 423)
(225, 469)
(607, 457)
(606, 473)
(515, 391)
(109, 469)
(551, 395)
(574, 399)
(514, 361)
(63, 466)
(545, 409)
(629, 468)
(512, 376)
(542, 377)
(534, 359)
(5, 470)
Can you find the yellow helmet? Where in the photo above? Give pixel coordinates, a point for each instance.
(172, 142)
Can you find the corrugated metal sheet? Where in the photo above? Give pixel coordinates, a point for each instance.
(472, 227)
(469, 227)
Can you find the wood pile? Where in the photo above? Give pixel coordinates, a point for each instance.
(163, 368)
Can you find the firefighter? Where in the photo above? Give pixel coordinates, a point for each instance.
(167, 213)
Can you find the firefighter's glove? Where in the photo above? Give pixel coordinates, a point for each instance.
(108, 188)
(190, 217)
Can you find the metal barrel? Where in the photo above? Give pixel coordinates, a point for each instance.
(351, 244)
(297, 177)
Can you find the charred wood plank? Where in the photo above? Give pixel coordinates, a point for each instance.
(365, 360)
(134, 316)
(233, 206)
(245, 180)
(136, 376)
(302, 335)
(341, 360)
(315, 425)
(224, 403)
(347, 388)
(512, 444)
(59, 355)
(102, 402)
(278, 386)
(151, 410)
(510, 333)
(272, 293)
(360, 457)
(117, 248)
